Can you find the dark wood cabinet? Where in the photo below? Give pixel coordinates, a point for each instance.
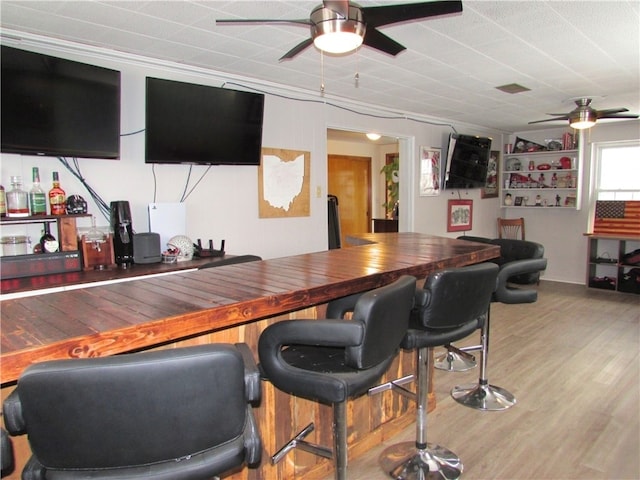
(383, 225)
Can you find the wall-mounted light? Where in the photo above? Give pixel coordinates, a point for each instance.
(373, 136)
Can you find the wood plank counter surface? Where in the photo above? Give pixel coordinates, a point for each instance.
(122, 317)
(229, 304)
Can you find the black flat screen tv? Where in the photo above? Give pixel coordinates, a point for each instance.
(57, 107)
(199, 124)
(467, 161)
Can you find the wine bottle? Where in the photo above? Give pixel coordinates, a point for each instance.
(37, 197)
(57, 197)
(47, 241)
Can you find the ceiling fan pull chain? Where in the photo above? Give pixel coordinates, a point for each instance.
(357, 75)
(321, 73)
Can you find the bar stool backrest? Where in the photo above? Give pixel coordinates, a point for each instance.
(169, 414)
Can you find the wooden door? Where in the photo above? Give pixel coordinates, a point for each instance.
(349, 179)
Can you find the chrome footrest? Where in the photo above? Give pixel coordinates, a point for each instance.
(395, 385)
(299, 442)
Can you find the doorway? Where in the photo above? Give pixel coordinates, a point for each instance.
(349, 179)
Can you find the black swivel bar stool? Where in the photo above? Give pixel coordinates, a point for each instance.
(449, 307)
(460, 359)
(333, 360)
(175, 414)
(6, 454)
(521, 264)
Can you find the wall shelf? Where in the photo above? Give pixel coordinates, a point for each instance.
(547, 179)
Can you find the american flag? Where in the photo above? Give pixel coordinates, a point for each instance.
(617, 217)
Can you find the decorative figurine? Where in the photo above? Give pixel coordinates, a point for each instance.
(541, 181)
(557, 200)
(508, 200)
(538, 201)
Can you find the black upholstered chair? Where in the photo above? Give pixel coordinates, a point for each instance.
(164, 415)
(521, 263)
(6, 454)
(333, 360)
(450, 306)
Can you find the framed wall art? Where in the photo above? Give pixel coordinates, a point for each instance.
(283, 183)
(490, 189)
(460, 217)
(429, 171)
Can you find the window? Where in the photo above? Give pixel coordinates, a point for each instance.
(617, 175)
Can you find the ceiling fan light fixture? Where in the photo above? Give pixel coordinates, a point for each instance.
(337, 42)
(582, 119)
(332, 33)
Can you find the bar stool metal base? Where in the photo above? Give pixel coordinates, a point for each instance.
(483, 397)
(453, 362)
(404, 461)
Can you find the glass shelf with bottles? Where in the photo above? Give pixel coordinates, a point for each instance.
(540, 179)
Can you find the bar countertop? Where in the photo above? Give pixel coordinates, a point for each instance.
(147, 312)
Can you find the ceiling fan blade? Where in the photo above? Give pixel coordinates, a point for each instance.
(550, 120)
(388, 14)
(617, 115)
(341, 7)
(296, 50)
(565, 115)
(603, 113)
(375, 39)
(302, 21)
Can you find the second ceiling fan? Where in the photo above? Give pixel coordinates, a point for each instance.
(585, 116)
(347, 21)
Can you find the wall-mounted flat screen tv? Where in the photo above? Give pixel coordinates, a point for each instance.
(467, 161)
(199, 124)
(57, 107)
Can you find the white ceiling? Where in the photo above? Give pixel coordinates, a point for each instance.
(561, 50)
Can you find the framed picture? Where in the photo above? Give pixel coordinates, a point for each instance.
(460, 216)
(283, 183)
(490, 189)
(429, 171)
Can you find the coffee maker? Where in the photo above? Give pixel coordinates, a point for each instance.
(122, 233)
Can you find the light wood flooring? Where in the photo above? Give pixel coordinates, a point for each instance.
(572, 361)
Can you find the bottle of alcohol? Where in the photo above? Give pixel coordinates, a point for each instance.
(57, 197)
(3, 202)
(37, 197)
(48, 242)
(17, 199)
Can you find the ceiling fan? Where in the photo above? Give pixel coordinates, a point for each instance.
(340, 26)
(585, 116)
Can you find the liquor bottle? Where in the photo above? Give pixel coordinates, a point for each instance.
(17, 199)
(48, 242)
(37, 197)
(57, 197)
(3, 202)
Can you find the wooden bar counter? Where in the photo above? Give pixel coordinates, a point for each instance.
(234, 303)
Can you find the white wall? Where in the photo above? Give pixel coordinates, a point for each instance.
(225, 203)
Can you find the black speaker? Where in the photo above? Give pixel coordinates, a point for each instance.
(146, 248)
